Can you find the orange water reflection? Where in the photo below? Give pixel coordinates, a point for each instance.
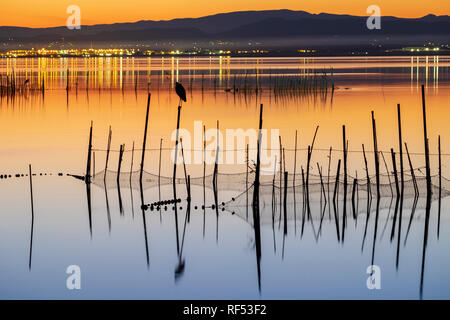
(52, 133)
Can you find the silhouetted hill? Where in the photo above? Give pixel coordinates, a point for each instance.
(269, 26)
(279, 27)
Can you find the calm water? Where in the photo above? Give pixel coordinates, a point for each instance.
(124, 253)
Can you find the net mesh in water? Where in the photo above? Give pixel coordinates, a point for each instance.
(300, 197)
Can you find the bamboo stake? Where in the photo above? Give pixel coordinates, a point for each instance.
(132, 160)
(122, 147)
(184, 167)
(295, 159)
(321, 183)
(416, 188)
(93, 164)
(387, 171)
(355, 182)
(425, 138)
(159, 165)
(246, 182)
(394, 165)
(337, 181)
(216, 162)
(400, 145)
(328, 178)
(440, 185)
(32, 217)
(369, 191)
(375, 153)
(88, 165)
(281, 175)
(108, 147)
(285, 202)
(258, 164)
(145, 137)
(344, 150)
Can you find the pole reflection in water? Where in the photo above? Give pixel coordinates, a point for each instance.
(245, 201)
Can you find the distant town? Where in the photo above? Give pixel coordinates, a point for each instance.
(133, 52)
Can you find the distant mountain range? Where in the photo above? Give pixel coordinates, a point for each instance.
(270, 28)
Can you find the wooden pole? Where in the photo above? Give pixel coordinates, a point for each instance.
(329, 174)
(32, 216)
(256, 214)
(273, 193)
(184, 167)
(132, 161)
(337, 181)
(246, 182)
(204, 177)
(285, 202)
(394, 165)
(308, 161)
(145, 138)
(189, 188)
(258, 162)
(108, 147)
(425, 138)
(295, 159)
(159, 166)
(216, 162)
(174, 177)
(204, 154)
(281, 173)
(88, 165)
(400, 147)
(416, 189)
(321, 183)
(93, 164)
(303, 189)
(369, 191)
(397, 209)
(440, 184)
(310, 151)
(122, 147)
(387, 172)
(375, 153)
(355, 182)
(344, 150)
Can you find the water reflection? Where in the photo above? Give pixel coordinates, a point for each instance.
(152, 73)
(256, 251)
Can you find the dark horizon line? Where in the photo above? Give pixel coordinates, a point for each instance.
(224, 13)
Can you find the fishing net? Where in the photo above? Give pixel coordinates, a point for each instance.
(304, 194)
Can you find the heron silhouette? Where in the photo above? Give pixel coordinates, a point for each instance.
(181, 92)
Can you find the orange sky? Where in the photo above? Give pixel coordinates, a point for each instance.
(44, 13)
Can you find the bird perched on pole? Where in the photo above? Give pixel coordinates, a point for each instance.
(179, 89)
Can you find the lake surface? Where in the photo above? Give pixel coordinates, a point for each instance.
(214, 253)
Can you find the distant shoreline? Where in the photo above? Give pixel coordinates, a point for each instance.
(238, 53)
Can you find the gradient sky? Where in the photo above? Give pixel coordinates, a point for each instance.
(45, 13)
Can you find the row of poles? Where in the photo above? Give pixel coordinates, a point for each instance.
(256, 201)
(309, 155)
